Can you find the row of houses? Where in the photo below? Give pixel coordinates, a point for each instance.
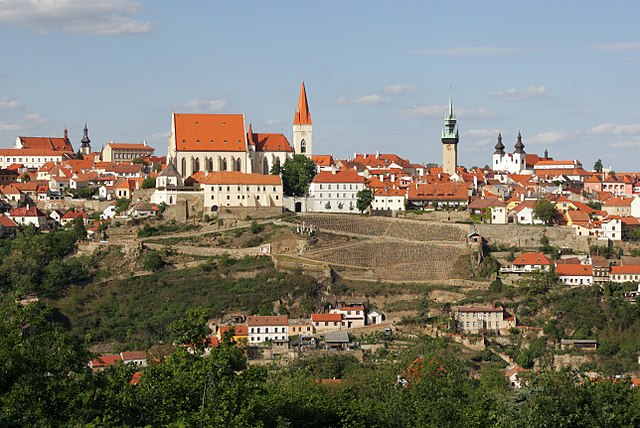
(260, 330)
(574, 270)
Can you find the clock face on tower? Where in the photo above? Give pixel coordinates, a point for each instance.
(449, 147)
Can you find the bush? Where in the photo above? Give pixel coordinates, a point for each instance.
(256, 228)
(153, 261)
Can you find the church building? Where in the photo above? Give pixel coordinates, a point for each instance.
(222, 142)
(512, 163)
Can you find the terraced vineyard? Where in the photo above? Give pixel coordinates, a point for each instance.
(400, 261)
(392, 228)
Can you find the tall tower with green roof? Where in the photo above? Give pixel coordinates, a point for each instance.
(450, 140)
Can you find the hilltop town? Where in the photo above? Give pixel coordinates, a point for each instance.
(254, 242)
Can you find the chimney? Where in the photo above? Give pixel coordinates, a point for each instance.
(377, 154)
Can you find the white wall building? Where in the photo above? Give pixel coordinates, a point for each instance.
(235, 189)
(335, 191)
(389, 199)
(268, 328)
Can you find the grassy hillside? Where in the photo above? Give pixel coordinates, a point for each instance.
(137, 310)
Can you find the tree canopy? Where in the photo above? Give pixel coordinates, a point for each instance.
(297, 173)
(545, 211)
(364, 199)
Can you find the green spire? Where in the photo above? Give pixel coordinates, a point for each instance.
(450, 129)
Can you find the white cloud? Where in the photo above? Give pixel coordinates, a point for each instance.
(199, 104)
(478, 50)
(626, 46)
(632, 144)
(97, 17)
(367, 100)
(546, 138)
(614, 129)
(28, 122)
(273, 122)
(9, 104)
(400, 88)
(512, 94)
(438, 111)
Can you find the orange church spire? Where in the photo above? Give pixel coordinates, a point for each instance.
(302, 116)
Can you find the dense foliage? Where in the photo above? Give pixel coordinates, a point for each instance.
(297, 172)
(45, 382)
(35, 262)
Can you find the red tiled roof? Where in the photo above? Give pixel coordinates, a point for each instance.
(126, 146)
(574, 270)
(271, 143)
(27, 212)
(210, 132)
(326, 317)
(51, 143)
(74, 214)
(618, 202)
(389, 192)
(239, 330)
(323, 160)
(531, 259)
(105, 360)
(351, 308)
(7, 222)
(342, 176)
(267, 320)
(444, 191)
(133, 355)
(628, 269)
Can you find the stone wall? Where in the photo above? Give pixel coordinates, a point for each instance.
(240, 213)
(528, 237)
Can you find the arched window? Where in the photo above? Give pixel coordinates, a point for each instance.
(210, 164)
(196, 165)
(184, 167)
(265, 166)
(303, 146)
(238, 166)
(278, 162)
(224, 164)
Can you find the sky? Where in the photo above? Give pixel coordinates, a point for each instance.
(378, 74)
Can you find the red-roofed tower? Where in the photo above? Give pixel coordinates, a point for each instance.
(302, 129)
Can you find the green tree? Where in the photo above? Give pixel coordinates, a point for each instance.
(122, 204)
(191, 329)
(297, 173)
(78, 228)
(149, 183)
(496, 286)
(153, 261)
(597, 167)
(79, 155)
(545, 211)
(364, 198)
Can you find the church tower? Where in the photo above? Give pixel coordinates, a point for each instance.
(519, 155)
(85, 143)
(302, 135)
(450, 140)
(498, 154)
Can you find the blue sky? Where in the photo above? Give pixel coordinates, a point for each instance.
(378, 74)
